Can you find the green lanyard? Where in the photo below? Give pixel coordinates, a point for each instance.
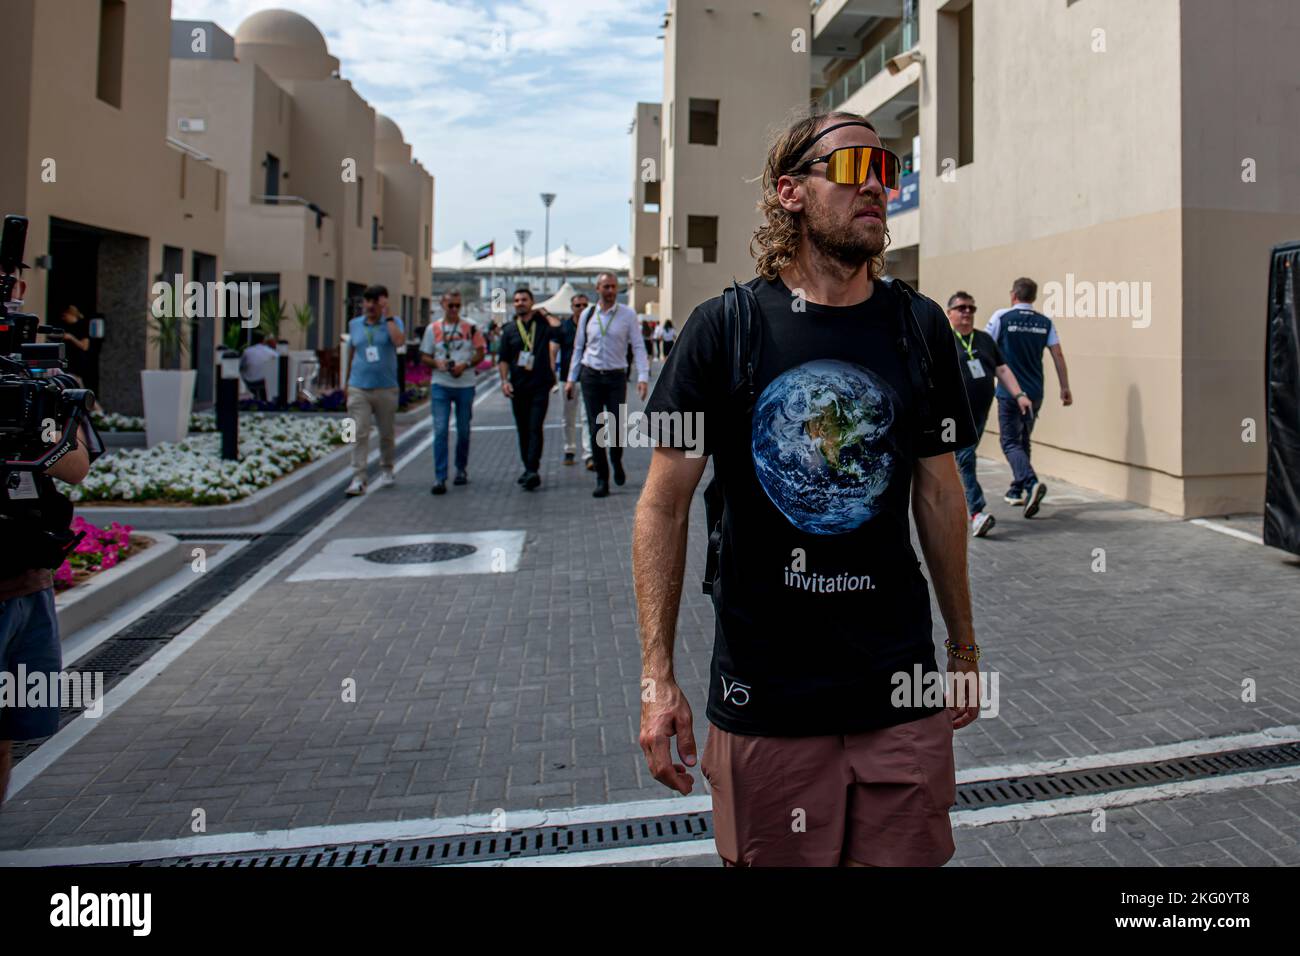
(370, 339)
(526, 338)
(966, 344)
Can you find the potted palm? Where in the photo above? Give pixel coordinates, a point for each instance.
(168, 391)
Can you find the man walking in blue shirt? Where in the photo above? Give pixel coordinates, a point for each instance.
(1021, 334)
(372, 386)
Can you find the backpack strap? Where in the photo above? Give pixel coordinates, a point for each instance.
(915, 350)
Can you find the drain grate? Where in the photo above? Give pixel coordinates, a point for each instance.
(688, 827)
(419, 553)
(1053, 786)
(476, 848)
(217, 535)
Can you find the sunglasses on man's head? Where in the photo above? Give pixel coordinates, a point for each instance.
(851, 165)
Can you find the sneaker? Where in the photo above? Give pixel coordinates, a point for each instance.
(602, 490)
(358, 487)
(1017, 498)
(568, 458)
(386, 480)
(620, 476)
(439, 489)
(1037, 491)
(981, 523)
(591, 465)
(522, 478)
(461, 479)
(533, 481)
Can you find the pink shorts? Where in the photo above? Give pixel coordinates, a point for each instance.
(880, 798)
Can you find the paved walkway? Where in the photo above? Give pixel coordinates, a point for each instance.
(520, 690)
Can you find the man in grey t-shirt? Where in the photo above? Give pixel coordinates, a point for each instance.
(452, 347)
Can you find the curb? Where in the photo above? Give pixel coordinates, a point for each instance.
(89, 602)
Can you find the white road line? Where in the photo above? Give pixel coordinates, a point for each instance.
(482, 823)
(72, 734)
(1224, 529)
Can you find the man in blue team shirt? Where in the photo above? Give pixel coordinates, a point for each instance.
(1021, 334)
(372, 391)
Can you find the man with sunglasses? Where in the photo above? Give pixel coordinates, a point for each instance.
(1022, 333)
(452, 347)
(821, 750)
(981, 365)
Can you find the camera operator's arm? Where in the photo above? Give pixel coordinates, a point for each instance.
(75, 465)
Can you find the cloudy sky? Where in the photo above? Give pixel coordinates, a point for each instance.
(501, 100)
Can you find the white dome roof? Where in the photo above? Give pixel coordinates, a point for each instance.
(282, 28)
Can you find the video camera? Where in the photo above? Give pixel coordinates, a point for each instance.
(38, 401)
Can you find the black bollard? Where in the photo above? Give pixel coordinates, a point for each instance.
(401, 376)
(228, 404)
(282, 390)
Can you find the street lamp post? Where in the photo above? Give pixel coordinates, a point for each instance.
(522, 235)
(547, 199)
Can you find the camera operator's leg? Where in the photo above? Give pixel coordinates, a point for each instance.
(29, 640)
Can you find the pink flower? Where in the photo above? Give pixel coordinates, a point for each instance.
(64, 574)
(88, 545)
(109, 559)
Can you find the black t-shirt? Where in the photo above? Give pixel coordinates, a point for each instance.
(979, 391)
(542, 375)
(819, 596)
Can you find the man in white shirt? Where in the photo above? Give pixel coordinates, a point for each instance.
(256, 365)
(600, 364)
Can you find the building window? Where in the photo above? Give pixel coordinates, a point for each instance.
(704, 122)
(374, 232)
(112, 38)
(650, 270)
(651, 201)
(702, 235)
(361, 198)
(272, 165)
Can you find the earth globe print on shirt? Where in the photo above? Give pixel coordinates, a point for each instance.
(822, 444)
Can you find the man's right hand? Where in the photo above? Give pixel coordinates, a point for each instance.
(507, 390)
(568, 390)
(665, 713)
(1067, 398)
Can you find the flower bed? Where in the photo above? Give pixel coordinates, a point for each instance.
(99, 550)
(192, 472)
(113, 422)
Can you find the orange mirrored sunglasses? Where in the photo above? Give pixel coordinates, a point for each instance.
(851, 165)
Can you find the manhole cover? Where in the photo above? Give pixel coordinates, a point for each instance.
(419, 553)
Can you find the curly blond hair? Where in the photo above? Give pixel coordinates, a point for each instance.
(776, 242)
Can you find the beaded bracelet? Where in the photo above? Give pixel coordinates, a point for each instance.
(954, 650)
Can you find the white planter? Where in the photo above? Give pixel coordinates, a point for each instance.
(168, 398)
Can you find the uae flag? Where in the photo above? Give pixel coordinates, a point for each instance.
(485, 250)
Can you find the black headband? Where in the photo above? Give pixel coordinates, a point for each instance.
(833, 128)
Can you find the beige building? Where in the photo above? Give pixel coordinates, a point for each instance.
(643, 277)
(731, 72)
(113, 206)
(1134, 159)
(325, 197)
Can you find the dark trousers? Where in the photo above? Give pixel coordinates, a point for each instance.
(603, 392)
(966, 465)
(1015, 430)
(530, 417)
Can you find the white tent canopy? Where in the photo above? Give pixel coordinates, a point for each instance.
(455, 259)
(562, 259)
(614, 259)
(558, 304)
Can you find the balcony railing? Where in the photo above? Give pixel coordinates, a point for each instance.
(898, 40)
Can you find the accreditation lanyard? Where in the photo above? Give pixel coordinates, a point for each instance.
(449, 338)
(604, 326)
(526, 337)
(370, 339)
(966, 344)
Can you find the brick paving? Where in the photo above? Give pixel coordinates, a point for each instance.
(521, 690)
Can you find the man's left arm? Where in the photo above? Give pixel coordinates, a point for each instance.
(75, 465)
(639, 356)
(939, 507)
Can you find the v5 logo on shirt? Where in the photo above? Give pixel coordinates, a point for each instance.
(735, 692)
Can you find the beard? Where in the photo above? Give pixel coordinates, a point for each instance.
(841, 241)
